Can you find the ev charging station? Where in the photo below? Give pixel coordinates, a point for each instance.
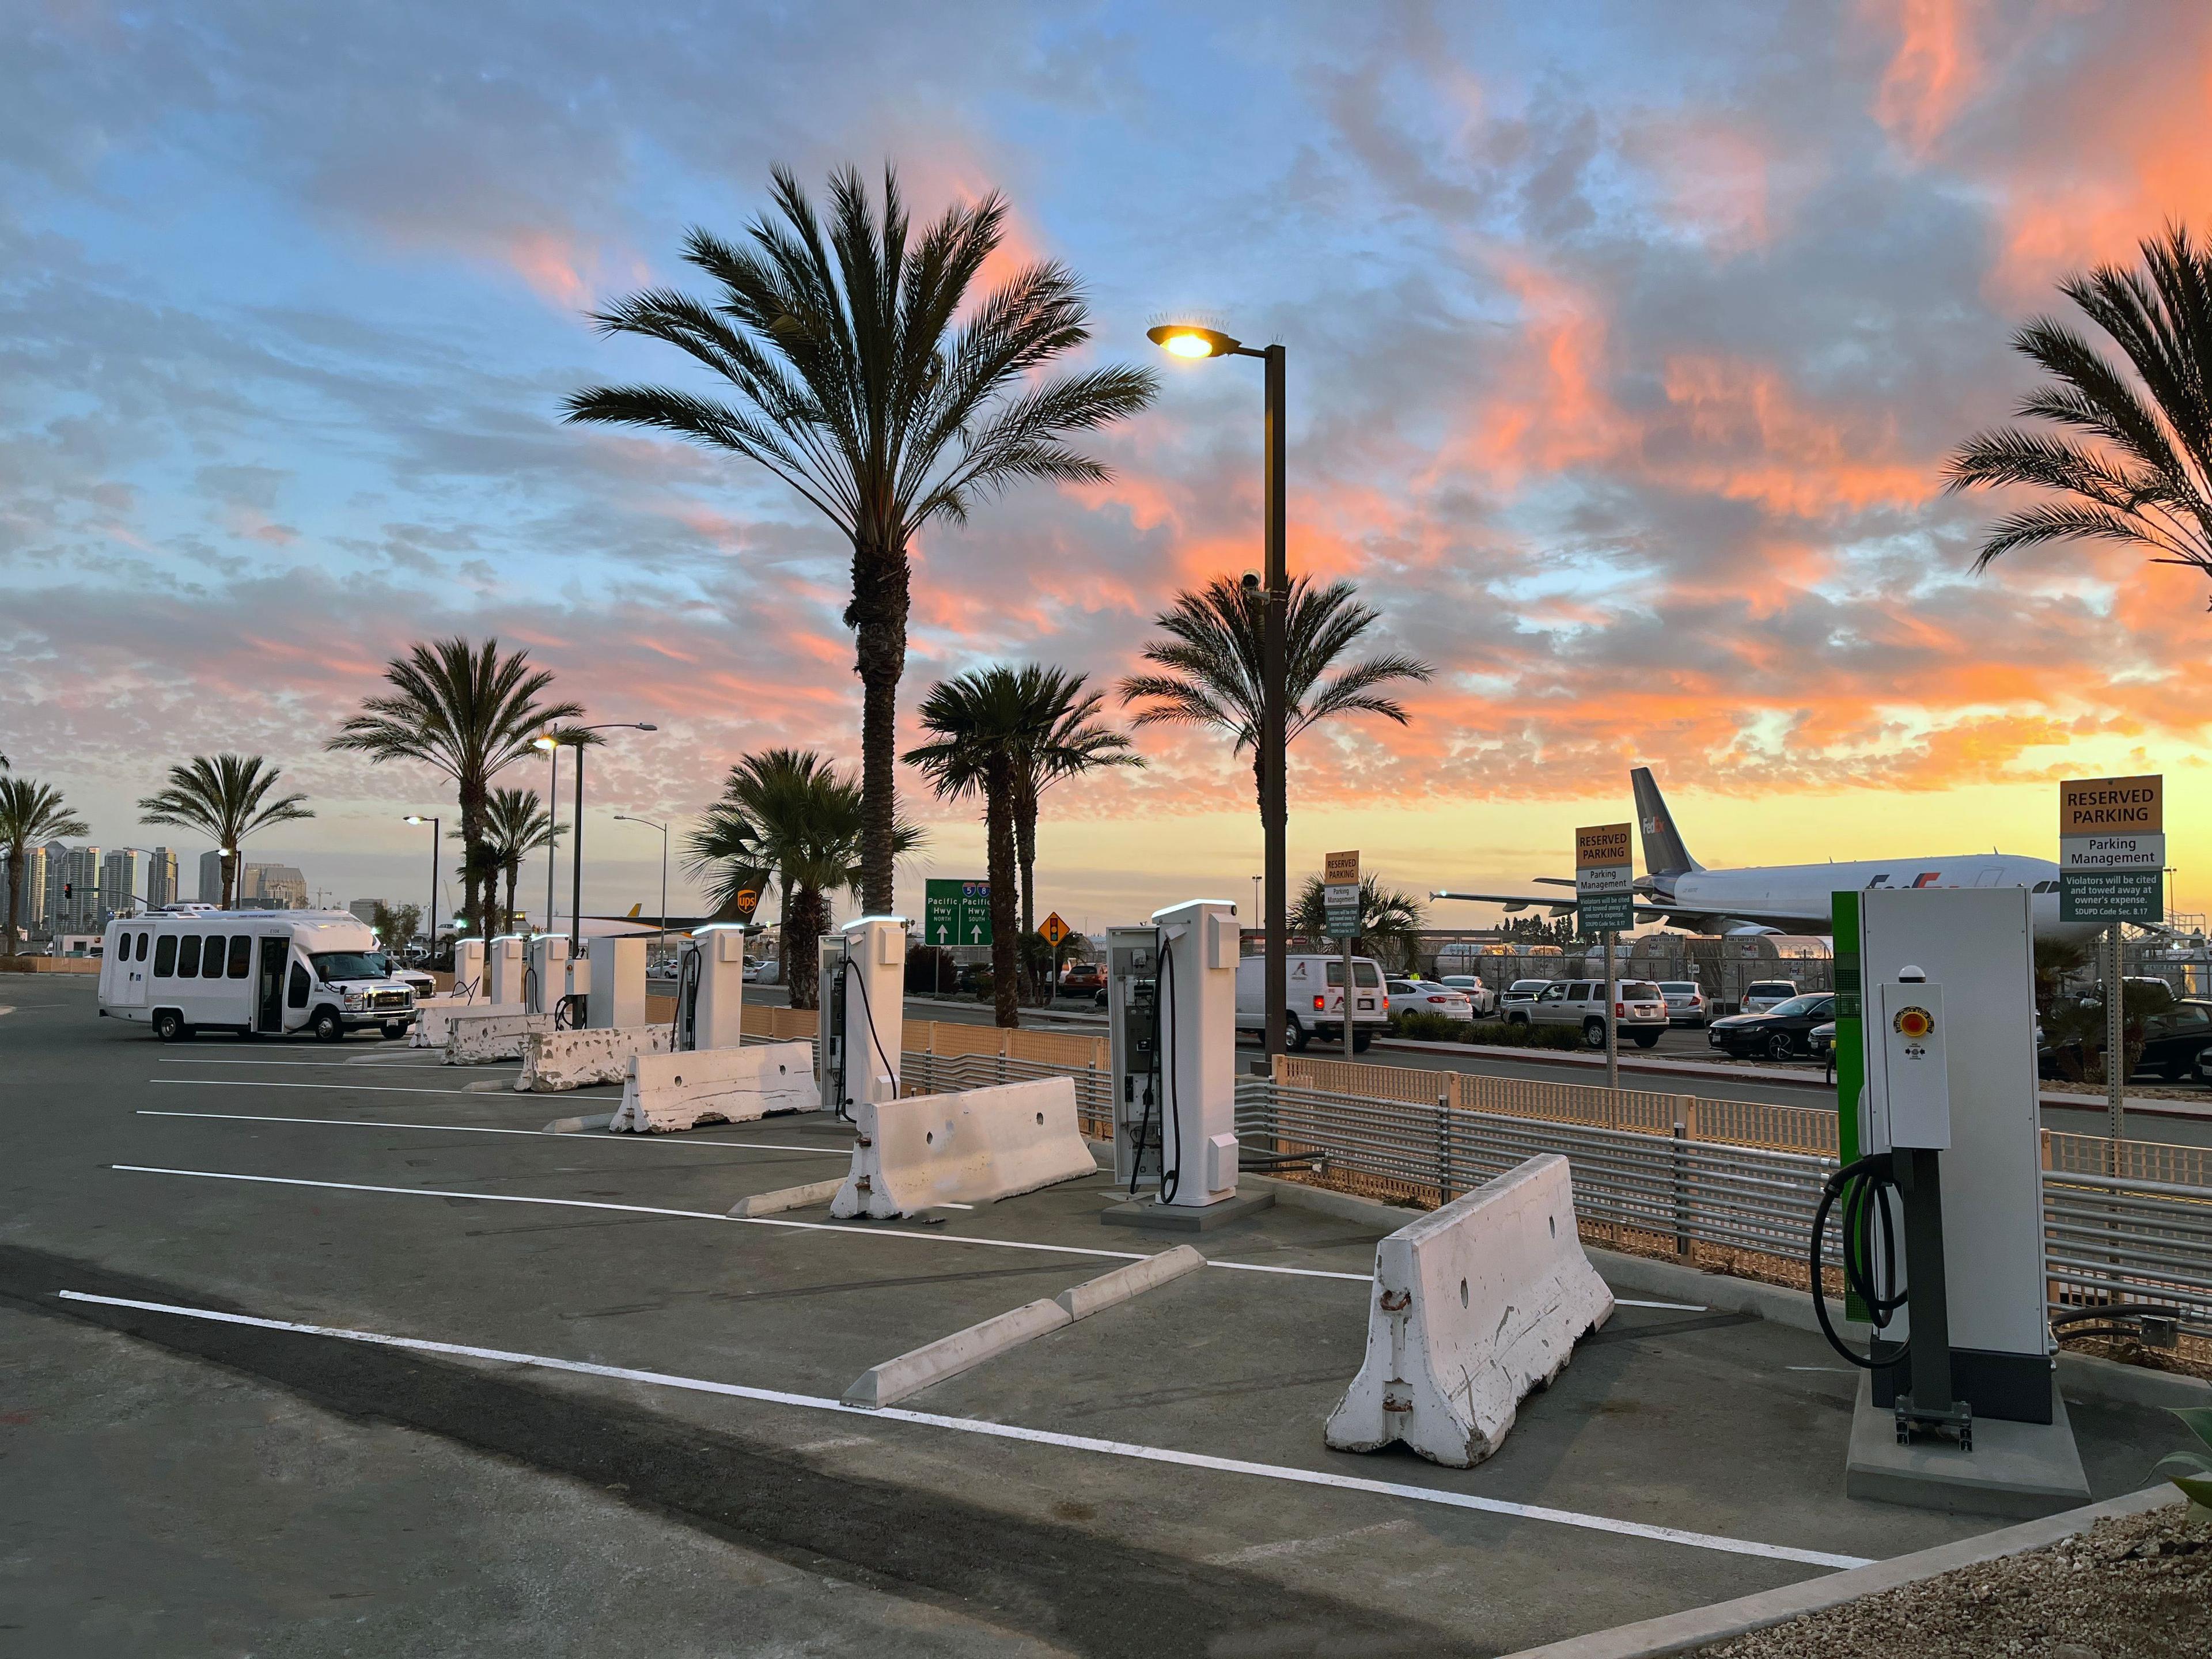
(503, 971)
(615, 963)
(469, 969)
(710, 988)
(1937, 1089)
(863, 1018)
(545, 978)
(1171, 998)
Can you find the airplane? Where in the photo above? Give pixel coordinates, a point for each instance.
(1787, 898)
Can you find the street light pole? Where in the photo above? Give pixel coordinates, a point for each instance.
(571, 736)
(430, 915)
(552, 748)
(1189, 340)
(624, 817)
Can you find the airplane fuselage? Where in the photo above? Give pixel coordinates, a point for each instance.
(1796, 897)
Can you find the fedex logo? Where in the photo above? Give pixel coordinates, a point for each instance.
(1925, 878)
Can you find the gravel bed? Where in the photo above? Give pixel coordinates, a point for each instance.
(2135, 1586)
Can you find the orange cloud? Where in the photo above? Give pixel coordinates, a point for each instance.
(1935, 72)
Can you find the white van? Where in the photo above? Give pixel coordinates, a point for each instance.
(1314, 1007)
(251, 970)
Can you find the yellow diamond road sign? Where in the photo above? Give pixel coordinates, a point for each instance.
(1053, 929)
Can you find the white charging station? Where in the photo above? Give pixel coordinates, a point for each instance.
(710, 988)
(1172, 1002)
(1949, 1110)
(615, 963)
(546, 976)
(862, 988)
(469, 971)
(503, 971)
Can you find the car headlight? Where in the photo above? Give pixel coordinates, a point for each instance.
(356, 1000)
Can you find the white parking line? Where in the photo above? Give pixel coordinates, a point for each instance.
(351, 1088)
(477, 1129)
(311, 1065)
(1449, 1500)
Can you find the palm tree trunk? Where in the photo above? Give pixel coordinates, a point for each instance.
(514, 876)
(1025, 824)
(18, 863)
(475, 903)
(804, 917)
(783, 935)
(230, 873)
(878, 614)
(998, 838)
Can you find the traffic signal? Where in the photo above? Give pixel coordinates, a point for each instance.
(67, 888)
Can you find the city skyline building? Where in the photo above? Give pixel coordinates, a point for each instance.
(161, 878)
(122, 878)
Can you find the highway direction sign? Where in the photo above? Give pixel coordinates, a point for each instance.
(1605, 879)
(2112, 849)
(956, 913)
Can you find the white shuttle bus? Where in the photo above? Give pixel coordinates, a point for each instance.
(251, 970)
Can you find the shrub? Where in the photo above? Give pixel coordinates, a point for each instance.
(1424, 1027)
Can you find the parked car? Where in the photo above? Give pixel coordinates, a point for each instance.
(1639, 1010)
(1315, 999)
(1484, 998)
(1082, 979)
(1686, 1002)
(1763, 993)
(1780, 1032)
(1820, 1041)
(1429, 996)
(2175, 1042)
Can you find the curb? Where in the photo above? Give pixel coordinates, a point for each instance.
(2081, 1378)
(931, 1363)
(576, 1126)
(1110, 1289)
(787, 1198)
(1698, 1627)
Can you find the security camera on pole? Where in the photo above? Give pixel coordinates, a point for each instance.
(1605, 890)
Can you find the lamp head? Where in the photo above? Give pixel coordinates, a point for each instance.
(548, 741)
(646, 726)
(414, 818)
(1192, 340)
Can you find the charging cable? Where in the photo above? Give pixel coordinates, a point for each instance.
(684, 1022)
(1170, 1180)
(860, 983)
(1863, 1187)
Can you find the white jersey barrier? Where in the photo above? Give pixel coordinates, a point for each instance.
(555, 1061)
(433, 1017)
(1475, 1304)
(968, 1148)
(666, 1092)
(474, 1039)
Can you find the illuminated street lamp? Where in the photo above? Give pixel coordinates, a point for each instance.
(1194, 341)
(430, 912)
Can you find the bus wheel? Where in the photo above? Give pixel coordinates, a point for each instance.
(169, 1025)
(327, 1026)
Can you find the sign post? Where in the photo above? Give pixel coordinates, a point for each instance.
(956, 913)
(1054, 930)
(1605, 891)
(1340, 894)
(2111, 867)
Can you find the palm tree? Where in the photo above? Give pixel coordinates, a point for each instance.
(1212, 656)
(2140, 470)
(516, 824)
(470, 711)
(225, 796)
(786, 815)
(982, 724)
(1389, 921)
(29, 812)
(860, 385)
(1068, 739)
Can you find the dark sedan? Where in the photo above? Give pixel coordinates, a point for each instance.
(2171, 1040)
(1782, 1032)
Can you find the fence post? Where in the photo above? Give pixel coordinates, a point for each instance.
(1681, 1158)
(1443, 1148)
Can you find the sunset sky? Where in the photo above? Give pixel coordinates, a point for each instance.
(1625, 343)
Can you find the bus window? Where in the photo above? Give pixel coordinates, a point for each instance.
(188, 957)
(241, 955)
(142, 947)
(295, 993)
(165, 956)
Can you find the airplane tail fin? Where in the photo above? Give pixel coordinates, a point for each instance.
(1663, 852)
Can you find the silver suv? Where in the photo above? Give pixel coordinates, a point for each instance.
(1639, 1011)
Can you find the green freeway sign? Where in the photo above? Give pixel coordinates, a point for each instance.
(956, 913)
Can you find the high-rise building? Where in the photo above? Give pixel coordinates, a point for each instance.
(72, 900)
(161, 878)
(210, 877)
(31, 914)
(122, 877)
(272, 887)
(364, 910)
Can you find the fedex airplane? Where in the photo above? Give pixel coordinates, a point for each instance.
(1788, 898)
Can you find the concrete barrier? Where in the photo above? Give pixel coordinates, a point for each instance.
(970, 1147)
(476, 1039)
(555, 1061)
(666, 1093)
(433, 1017)
(1475, 1304)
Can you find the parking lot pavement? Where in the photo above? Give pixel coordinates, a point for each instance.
(575, 1341)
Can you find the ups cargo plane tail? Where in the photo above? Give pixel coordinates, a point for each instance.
(1783, 898)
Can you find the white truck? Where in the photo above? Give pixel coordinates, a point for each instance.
(1639, 1010)
(1315, 1005)
(251, 970)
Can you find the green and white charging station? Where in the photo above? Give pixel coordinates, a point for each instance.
(1937, 1098)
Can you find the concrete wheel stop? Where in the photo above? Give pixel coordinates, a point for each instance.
(2023, 1470)
(1180, 1219)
